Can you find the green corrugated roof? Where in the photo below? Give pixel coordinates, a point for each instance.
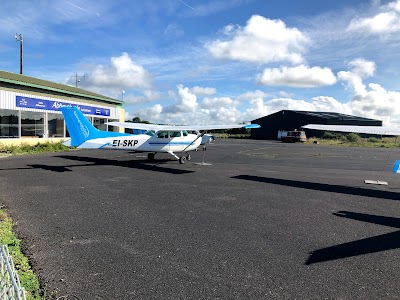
(23, 80)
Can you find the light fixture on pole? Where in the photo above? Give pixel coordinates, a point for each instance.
(77, 79)
(123, 92)
(20, 38)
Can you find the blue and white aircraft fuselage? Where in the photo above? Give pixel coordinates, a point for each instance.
(158, 138)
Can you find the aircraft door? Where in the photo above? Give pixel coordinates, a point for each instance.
(177, 140)
(160, 141)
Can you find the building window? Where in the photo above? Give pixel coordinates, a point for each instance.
(116, 128)
(55, 125)
(99, 123)
(8, 123)
(32, 124)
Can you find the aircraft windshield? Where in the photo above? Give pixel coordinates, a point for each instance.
(150, 132)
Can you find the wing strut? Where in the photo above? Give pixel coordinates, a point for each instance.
(198, 136)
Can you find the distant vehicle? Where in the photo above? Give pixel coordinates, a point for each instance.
(294, 136)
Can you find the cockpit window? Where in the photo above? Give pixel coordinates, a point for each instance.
(162, 134)
(185, 133)
(173, 134)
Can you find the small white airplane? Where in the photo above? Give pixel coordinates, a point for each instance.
(158, 138)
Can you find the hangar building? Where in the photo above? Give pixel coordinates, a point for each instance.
(288, 120)
(29, 108)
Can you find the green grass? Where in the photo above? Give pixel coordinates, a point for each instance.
(28, 279)
(231, 136)
(32, 149)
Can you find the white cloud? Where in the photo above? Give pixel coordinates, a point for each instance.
(386, 21)
(377, 103)
(148, 96)
(211, 103)
(185, 103)
(353, 82)
(359, 68)
(262, 40)
(300, 76)
(329, 104)
(362, 67)
(252, 95)
(203, 90)
(278, 104)
(221, 110)
(373, 101)
(174, 31)
(257, 110)
(121, 73)
(152, 114)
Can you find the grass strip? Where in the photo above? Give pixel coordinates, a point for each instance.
(32, 149)
(28, 279)
(386, 142)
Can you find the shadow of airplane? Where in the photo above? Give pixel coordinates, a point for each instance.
(374, 244)
(324, 187)
(93, 161)
(135, 164)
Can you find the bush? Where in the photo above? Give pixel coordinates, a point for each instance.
(328, 136)
(374, 140)
(353, 137)
(333, 136)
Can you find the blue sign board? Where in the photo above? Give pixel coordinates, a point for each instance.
(55, 105)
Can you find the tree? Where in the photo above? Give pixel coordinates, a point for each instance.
(139, 120)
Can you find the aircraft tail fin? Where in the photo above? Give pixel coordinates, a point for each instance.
(79, 127)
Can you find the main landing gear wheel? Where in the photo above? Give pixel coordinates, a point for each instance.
(182, 159)
(188, 157)
(150, 156)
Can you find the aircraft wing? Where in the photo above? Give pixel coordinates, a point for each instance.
(155, 127)
(356, 129)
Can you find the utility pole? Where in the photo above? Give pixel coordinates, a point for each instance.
(77, 79)
(20, 38)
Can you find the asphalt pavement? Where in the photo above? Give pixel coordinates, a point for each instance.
(266, 220)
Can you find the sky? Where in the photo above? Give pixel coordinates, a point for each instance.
(214, 62)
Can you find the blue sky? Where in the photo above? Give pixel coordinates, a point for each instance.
(224, 61)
